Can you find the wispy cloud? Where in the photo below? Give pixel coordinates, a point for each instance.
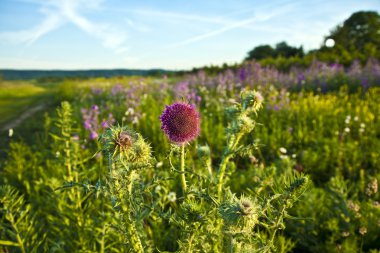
(58, 12)
(176, 15)
(110, 36)
(216, 32)
(226, 28)
(51, 22)
(136, 26)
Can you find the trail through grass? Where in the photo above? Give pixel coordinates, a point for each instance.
(20, 100)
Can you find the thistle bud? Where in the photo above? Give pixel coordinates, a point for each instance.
(192, 211)
(239, 215)
(124, 144)
(251, 100)
(203, 150)
(245, 124)
(298, 186)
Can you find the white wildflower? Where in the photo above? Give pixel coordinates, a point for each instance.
(135, 120)
(347, 130)
(159, 164)
(10, 133)
(356, 118)
(347, 120)
(362, 125)
(130, 111)
(157, 189)
(283, 150)
(172, 197)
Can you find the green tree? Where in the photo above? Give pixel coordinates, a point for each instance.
(358, 36)
(284, 50)
(261, 52)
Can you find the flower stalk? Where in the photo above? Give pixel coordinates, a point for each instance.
(182, 169)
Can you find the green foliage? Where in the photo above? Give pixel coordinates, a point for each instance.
(359, 31)
(18, 228)
(358, 38)
(282, 49)
(277, 172)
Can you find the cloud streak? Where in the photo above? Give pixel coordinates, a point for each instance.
(50, 23)
(57, 13)
(226, 28)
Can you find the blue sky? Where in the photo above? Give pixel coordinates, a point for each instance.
(97, 34)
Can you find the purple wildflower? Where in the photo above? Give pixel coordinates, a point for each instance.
(96, 90)
(87, 124)
(116, 89)
(180, 122)
(105, 124)
(94, 135)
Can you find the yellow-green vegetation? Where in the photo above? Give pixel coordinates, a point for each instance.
(17, 96)
(283, 163)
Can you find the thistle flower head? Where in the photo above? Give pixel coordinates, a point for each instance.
(180, 122)
(239, 215)
(125, 144)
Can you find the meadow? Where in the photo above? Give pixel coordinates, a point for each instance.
(284, 162)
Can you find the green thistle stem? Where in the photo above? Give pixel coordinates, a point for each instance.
(222, 170)
(229, 243)
(133, 236)
(223, 164)
(278, 221)
(182, 169)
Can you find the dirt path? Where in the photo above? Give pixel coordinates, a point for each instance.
(26, 114)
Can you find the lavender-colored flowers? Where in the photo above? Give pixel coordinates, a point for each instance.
(91, 121)
(180, 122)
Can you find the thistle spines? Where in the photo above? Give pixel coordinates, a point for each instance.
(239, 215)
(241, 124)
(124, 145)
(297, 186)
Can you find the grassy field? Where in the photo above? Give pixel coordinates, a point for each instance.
(299, 169)
(17, 96)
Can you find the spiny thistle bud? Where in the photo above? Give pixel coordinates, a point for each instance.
(192, 211)
(180, 122)
(125, 144)
(246, 207)
(239, 215)
(251, 99)
(232, 111)
(203, 150)
(298, 186)
(245, 123)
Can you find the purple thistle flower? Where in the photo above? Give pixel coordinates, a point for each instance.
(105, 124)
(87, 124)
(116, 89)
(96, 90)
(180, 122)
(94, 135)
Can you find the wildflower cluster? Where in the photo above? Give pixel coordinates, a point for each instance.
(92, 123)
